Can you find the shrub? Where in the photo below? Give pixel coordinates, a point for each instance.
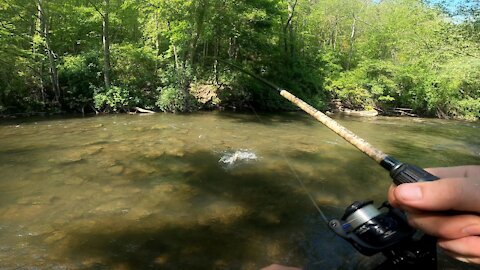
(134, 67)
(172, 99)
(174, 95)
(116, 99)
(79, 73)
(351, 88)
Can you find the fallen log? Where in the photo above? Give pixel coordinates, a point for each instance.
(141, 110)
(404, 111)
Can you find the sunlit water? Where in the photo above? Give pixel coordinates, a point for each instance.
(152, 192)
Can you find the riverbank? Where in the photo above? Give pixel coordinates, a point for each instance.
(209, 97)
(330, 112)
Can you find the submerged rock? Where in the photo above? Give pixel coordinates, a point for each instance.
(176, 152)
(117, 169)
(137, 213)
(91, 150)
(39, 229)
(67, 157)
(74, 180)
(38, 200)
(154, 152)
(114, 207)
(221, 212)
(55, 236)
(160, 127)
(74, 155)
(139, 170)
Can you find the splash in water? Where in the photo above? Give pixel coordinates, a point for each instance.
(239, 156)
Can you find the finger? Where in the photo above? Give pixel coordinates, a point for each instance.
(397, 204)
(460, 257)
(279, 267)
(391, 197)
(467, 247)
(455, 172)
(446, 227)
(460, 194)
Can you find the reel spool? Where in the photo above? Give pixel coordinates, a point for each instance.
(372, 230)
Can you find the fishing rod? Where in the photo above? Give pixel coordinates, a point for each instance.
(369, 229)
(401, 173)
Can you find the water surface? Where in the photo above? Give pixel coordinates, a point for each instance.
(149, 192)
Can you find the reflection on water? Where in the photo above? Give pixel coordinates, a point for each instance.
(149, 192)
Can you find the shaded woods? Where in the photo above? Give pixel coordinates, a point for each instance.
(115, 55)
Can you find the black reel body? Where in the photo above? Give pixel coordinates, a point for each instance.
(385, 230)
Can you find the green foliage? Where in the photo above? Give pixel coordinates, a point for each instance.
(319, 102)
(113, 99)
(468, 108)
(174, 95)
(78, 73)
(370, 82)
(172, 99)
(134, 66)
(381, 54)
(455, 90)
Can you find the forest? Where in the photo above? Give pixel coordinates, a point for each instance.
(86, 56)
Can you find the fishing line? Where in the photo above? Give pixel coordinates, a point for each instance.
(363, 225)
(400, 172)
(295, 174)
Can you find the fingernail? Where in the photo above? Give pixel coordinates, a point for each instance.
(463, 259)
(472, 229)
(409, 192)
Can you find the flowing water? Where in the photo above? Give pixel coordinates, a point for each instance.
(200, 191)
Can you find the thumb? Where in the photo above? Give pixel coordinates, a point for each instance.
(461, 194)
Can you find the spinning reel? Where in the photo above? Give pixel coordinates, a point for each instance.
(372, 230)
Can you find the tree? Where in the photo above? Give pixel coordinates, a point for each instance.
(106, 43)
(44, 30)
(381, 54)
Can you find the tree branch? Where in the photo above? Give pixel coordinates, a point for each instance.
(96, 9)
(290, 17)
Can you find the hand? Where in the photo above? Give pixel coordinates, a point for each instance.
(458, 192)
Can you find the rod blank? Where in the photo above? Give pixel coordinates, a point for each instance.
(349, 136)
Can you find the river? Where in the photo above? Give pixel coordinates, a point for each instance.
(167, 191)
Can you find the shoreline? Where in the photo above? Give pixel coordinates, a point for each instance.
(347, 112)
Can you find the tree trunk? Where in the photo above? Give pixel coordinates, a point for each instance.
(334, 35)
(291, 32)
(175, 54)
(157, 41)
(352, 41)
(288, 38)
(48, 50)
(231, 48)
(201, 9)
(215, 63)
(36, 48)
(106, 44)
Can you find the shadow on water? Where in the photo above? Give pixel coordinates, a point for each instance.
(455, 130)
(37, 119)
(269, 119)
(440, 156)
(272, 210)
(276, 224)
